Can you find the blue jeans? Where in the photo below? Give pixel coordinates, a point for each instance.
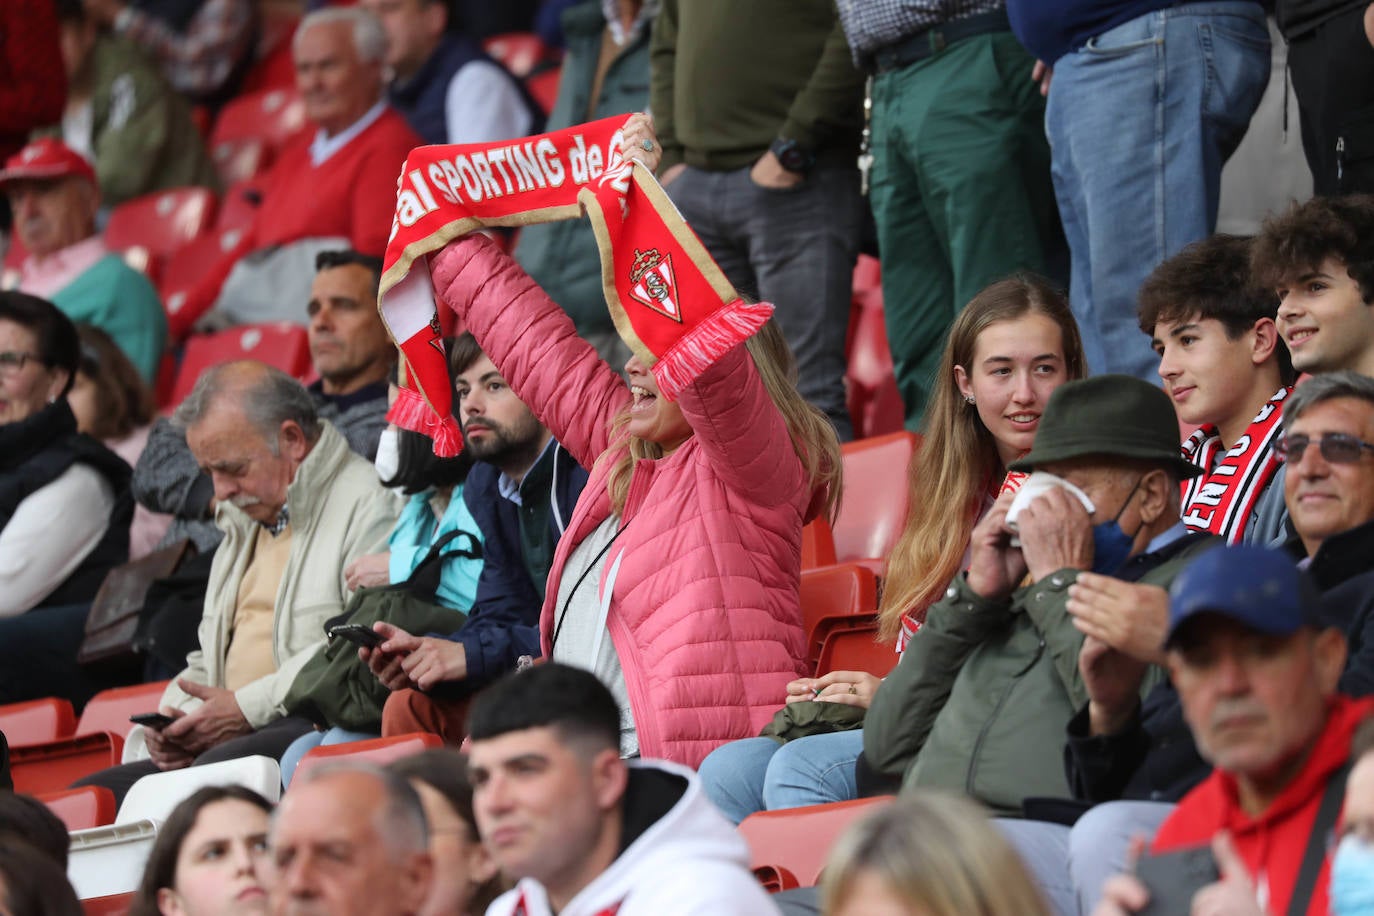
(1070, 865)
(311, 740)
(1140, 121)
(758, 774)
(794, 248)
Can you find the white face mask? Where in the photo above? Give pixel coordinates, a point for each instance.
(388, 460)
(1035, 485)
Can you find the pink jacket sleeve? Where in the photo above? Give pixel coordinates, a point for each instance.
(533, 342)
(741, 430)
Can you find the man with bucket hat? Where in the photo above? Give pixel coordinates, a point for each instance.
(1256, 664)
(980, 699)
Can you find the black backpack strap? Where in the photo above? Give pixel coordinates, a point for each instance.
(1314, 856)
(423, 582)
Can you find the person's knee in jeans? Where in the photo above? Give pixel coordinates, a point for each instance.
(732, 776)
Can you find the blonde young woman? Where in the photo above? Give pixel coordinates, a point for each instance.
(927, 854)
(1011, 346)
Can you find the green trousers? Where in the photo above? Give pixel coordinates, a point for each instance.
(961, 193)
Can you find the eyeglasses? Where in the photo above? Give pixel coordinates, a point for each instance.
(12, 361)
(1337, 448)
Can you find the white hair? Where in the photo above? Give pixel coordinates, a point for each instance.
(369, 40)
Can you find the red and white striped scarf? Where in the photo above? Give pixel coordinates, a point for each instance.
(1221, 500)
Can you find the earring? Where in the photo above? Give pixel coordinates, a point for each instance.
(968, 399)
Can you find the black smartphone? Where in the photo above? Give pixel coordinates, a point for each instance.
(154, 720)
(358, 634)
(1172, 878)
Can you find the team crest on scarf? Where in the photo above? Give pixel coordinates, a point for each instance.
(652, 284)
(1223, 498)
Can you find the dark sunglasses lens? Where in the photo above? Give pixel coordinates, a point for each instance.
(1340, 449)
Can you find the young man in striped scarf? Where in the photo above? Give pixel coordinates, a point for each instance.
(1228, 372)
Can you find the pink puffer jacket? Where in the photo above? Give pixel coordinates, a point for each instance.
(705, 615)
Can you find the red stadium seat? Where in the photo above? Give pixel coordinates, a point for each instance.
(109, 710)
(274, 116)
(161, 222)
(835, 591)
(868, 274)
(855, 647)
(182, 274)
(54, 766)
(875, 404)
(37, 721)
(518, 52)
(239, 207)
(241, 158)
(14, 256)
(112, 905)
(274, 68)
(83, 808)
(818, 543)
(788, 847)
(280, 344)
(873, 510)
(544, 87)
(380, 751)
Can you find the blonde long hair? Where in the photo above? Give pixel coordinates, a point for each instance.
(813, 436)
(939, 855)
(958, 461)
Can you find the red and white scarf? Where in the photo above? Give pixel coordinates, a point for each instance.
(669, 300)
(1221, 500)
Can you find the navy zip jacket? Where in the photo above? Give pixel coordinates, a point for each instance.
(1049, 29)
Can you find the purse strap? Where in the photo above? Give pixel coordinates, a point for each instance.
(1314, 856)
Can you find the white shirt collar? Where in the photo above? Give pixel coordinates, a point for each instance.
(324, 146)
(509, 487)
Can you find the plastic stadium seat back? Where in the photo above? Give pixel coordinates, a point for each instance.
(105, 861)
(544, 87)
(818, 543)
(874, 506)
(110, 905)
(518, 52)
(153, 797)
(274, 68)
(54, 766)
(281, 344)
(856, 649)
(161, 222)
(109, 710)
(83, 808)
(868, 274)
(875, 404)
(241, 158)
(37, 721)
(845, 589)
(182, 274)
(795, 842)
(275, 116)
(380, 751)
(15, 254)
(239, 207)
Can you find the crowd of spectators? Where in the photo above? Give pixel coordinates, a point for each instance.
(1132, 603)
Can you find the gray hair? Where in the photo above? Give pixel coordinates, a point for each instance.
(401, 818)
(1327, 386)
(369, 40)
(268, 401)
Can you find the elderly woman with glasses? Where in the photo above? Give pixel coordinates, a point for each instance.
(64, 497)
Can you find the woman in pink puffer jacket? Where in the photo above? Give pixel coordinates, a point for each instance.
(687, 538)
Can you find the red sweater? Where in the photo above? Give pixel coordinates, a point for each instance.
(1272, 845)
(351, 194)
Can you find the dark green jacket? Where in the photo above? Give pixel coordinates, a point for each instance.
(982, 695)
(141, 128)
(730, 76)
(562, 257)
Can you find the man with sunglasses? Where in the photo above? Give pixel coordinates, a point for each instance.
(1328, 446)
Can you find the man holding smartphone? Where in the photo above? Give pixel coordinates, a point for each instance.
(1256, 664)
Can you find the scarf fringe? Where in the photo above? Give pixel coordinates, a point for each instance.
(411, 411)
(695, 351)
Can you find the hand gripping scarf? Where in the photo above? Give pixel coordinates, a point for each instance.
(1221, 500)
(669, 300)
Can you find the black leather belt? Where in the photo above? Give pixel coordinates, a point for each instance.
(935, 39)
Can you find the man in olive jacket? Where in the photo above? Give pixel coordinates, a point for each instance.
(984, 690)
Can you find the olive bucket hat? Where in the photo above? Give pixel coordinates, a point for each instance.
(1116, 415)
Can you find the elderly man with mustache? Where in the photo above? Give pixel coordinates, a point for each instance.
(296, 507)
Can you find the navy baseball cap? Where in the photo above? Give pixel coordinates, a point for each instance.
(1258, 587)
